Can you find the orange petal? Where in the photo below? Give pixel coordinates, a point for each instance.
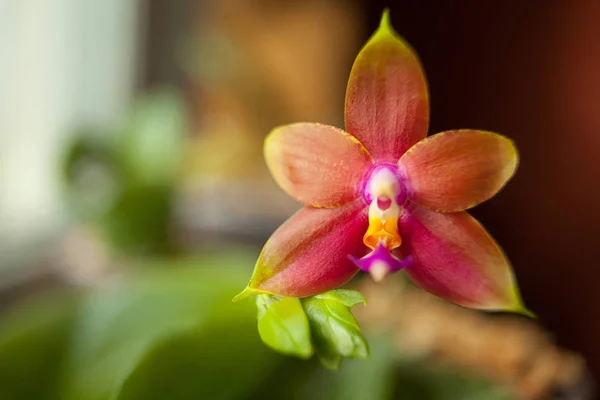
(456, 170)
(455, 258)
(309, 253)
(317, 164)
(387, 107)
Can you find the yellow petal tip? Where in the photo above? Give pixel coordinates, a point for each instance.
(385, 25)
(521, 309)
(385, 18)
(248, 291)
(518, 305)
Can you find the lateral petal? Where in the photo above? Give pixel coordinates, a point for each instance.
(455, 170)
(317, 164)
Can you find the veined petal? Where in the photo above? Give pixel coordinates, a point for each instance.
(387, 106)
(317, 164)
(308, 254)
(456, 170)
(455, 258)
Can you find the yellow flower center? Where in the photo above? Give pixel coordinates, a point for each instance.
(384, 192)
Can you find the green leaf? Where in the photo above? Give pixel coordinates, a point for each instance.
(283, 326)
(334, 329)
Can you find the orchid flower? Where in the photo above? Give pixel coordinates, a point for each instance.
(382, 197)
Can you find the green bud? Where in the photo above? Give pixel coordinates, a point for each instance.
(335, 332)
(283, 325)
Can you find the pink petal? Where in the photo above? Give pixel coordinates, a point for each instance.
(456, 259)
(387, 107)
(456, 170)
(309, 253)
(317, 164)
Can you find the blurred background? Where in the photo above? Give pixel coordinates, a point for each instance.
(134, 198)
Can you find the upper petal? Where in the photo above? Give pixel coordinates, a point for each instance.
(387, 107)
(456, 170)
(317, 164)
(455, 258)
(309, 253)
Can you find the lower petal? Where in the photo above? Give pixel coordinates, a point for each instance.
(308, 254)
(455, 258)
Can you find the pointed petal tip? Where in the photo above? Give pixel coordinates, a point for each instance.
(519, 308)
(385, 25)
(515, 305)
(514, 309)
(247, 292)
(526, 312)
(385, 22)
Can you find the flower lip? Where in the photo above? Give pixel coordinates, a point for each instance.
(380, 262)
(384, 183)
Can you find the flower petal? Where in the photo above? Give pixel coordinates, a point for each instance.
(387, 107)
(455, 258)
(456, 170)
(317, 164)
(309, 253)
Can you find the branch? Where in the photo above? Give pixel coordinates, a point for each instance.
(510, 350)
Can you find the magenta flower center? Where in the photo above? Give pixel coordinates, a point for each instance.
(384, 180)
(384, 192)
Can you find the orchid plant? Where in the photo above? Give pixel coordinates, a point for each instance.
(382, 197)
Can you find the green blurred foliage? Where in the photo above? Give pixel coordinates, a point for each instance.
(122, 182)
(169, 330)
(383, 377)
(415, 381)
(179, 368)
(125, 332)
(34, 339)
(367, 379)
(150, 146)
